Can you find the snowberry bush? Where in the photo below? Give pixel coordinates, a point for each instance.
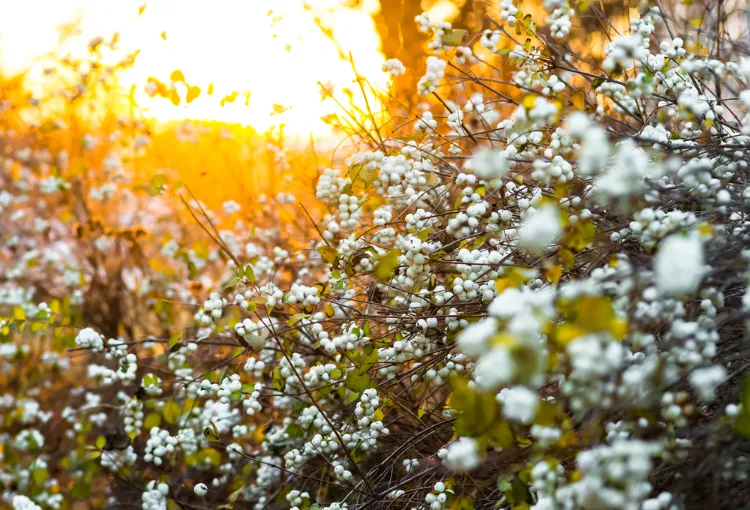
(531, 293)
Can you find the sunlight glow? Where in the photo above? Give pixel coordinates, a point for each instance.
(274, 50)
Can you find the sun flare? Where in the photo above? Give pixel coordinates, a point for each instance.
(274, 50)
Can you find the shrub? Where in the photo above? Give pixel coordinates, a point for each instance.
(529, 294)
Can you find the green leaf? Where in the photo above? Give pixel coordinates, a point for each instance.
(742, 422)
(39, 475)
(745, 394)
(236, 494)
(359, 382)
(278, 380)
(248, 273)
(19, 314)
(353, 397)
(81, 490)
(234, 280)
(174, 339)
(336, 373)
(742, 425)
(294, 431)
(515, 491)
(100, 442)
(172, 412)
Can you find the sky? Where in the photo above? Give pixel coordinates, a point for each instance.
(271, 48)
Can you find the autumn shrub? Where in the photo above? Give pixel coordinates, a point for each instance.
(529, 292)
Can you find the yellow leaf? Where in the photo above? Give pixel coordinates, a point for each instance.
(566, 333)
(553, 274)
(513, 278)
(500, 435)
(505, 339)
(211, 455)
(278, 109)
(454, 37)
(594, 313)
(152, 420)
(705, 229)
(523, 441)
(386, 265)
(528, 101)
(579, 236)
(48, 126)
(462, 503)
(567, 258)
(329, 254)
(545, 414)
(192, 93)
(568, 439)
(619, 328)
(172, 412)
(477, 410)
(294, 319)
(578, 98)
(19, 314)
(211, 433)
